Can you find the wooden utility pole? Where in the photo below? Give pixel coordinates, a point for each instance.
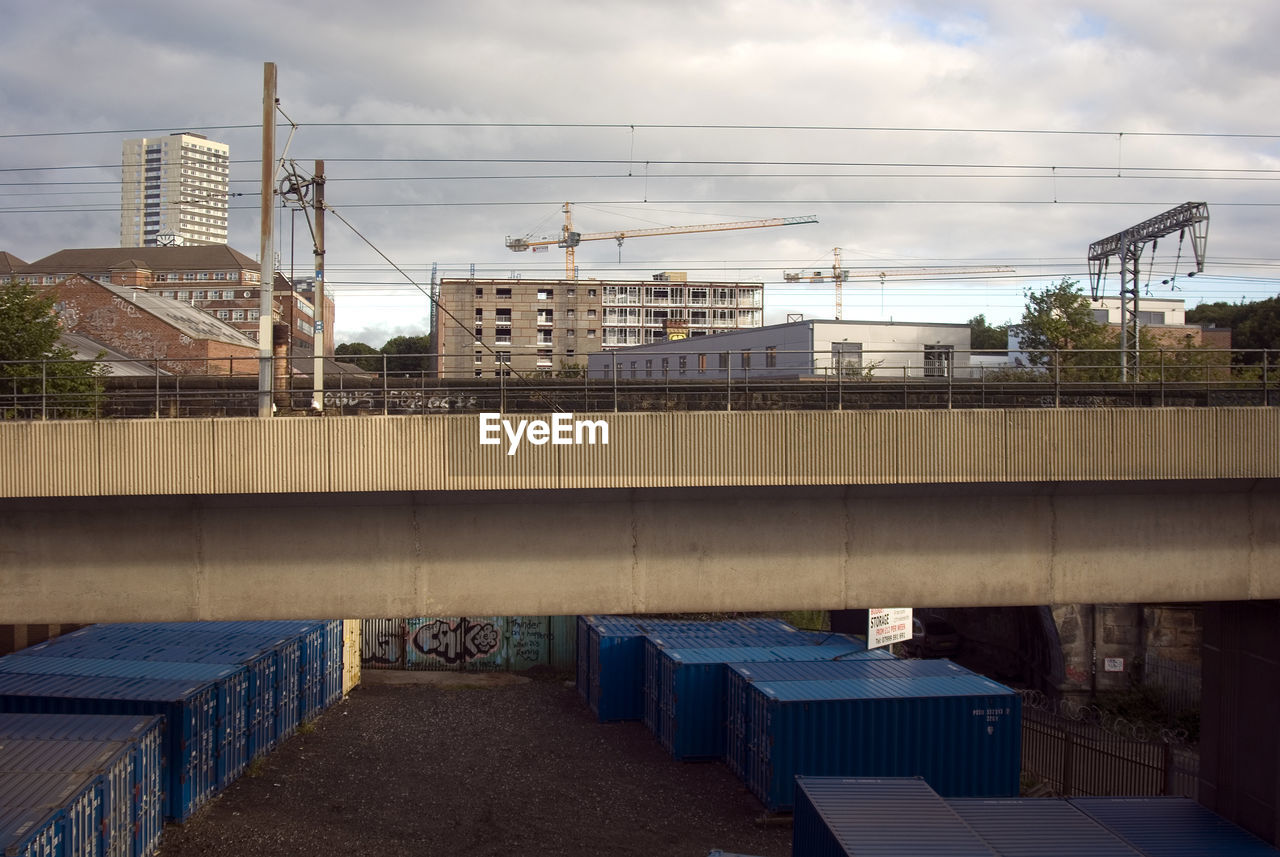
(266, 248)
(318, 354)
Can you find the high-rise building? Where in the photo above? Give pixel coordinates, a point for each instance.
(173, 191)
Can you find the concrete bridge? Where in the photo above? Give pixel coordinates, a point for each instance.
(677, 512)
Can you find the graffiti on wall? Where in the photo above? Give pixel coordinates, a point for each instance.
(398, 401)
(380, 642)
(529, 638)
(457, 641)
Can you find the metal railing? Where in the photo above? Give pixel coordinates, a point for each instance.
(693, 380)
(1081, 751)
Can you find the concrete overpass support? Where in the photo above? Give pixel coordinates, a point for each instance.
(392, 554)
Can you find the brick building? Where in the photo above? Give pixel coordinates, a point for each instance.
(182, 339)
(215, 279)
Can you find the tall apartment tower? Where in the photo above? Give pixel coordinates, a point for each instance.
(173, 190)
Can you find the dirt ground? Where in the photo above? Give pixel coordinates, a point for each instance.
(460, 764)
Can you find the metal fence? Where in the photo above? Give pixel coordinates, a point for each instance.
(160, 388)
(1080, 751)
(1177, 684)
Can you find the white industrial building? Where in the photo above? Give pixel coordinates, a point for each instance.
(855, 349)
(173, 191)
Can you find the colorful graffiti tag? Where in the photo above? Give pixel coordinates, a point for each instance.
(458, 641)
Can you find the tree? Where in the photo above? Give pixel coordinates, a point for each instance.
(412, 354)
(1058, 333)
(357, 351)
(37, 375)
(1254, 325)
(983, 337)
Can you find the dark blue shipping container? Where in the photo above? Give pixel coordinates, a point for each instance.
(110, 764)
(1171, 827)
(1038, 827)
(874, 663)
(273, 661)
(689, 690)
(846, 817)
(615, 653)
(143, 735)
(230, 680)
(49, 814)
(189, 764)
(962, 734)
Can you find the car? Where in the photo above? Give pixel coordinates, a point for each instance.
(932, 637)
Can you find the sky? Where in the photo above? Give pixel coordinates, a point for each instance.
(1005, 133)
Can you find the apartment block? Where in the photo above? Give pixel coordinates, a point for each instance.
(173, 191)
(488, 327)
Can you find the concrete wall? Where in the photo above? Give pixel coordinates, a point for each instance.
(396, 554)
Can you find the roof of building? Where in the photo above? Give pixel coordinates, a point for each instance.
(97, 259)
(10, 263)
(116, 362)
(196, 323)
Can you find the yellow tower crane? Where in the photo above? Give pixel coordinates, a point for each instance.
(569, 238)
(839, 275)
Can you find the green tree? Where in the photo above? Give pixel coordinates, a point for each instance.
(358, 352)
(1057, 332)
(984, 337)
(1254, 325)
(37, 375)
(410, 354)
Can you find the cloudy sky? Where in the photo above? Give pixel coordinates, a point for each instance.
(921, 134)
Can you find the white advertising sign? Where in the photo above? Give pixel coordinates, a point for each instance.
(887, 625)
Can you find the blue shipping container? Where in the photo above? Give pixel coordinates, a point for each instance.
(1038, 827)
(843, 817)
(189, 764)
(962, 734)
(1171, 827)
(689, 691)
(142, 734)
(869, 664)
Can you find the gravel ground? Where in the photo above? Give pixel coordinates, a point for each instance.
(476, 765)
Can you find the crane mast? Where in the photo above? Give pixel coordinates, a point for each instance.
(569, 238)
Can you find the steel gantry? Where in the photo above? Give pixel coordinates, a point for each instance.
(1127, 247)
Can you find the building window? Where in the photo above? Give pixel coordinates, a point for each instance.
(702, 363)
(1150, 317)
(237, 315)
(724, 359)
(591, 293)
(1101, 316)
(746, 359)
(546, 294)
(573, 293)
(479, 316)
(770, 356)
(502, 356)
(224, 314)
(591, 313)
(254, 315)
(479, 292)
(544, 357)
(503, 294)
(591, 334)
(570, 333)
(479, 357)
(502, 336)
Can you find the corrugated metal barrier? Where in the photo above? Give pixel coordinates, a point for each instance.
(469, 643)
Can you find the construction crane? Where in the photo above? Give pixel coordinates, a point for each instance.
(569, 238)
(839, 275)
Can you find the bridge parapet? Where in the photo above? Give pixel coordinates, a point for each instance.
(644, 450)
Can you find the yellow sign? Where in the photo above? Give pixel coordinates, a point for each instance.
(674, 335)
